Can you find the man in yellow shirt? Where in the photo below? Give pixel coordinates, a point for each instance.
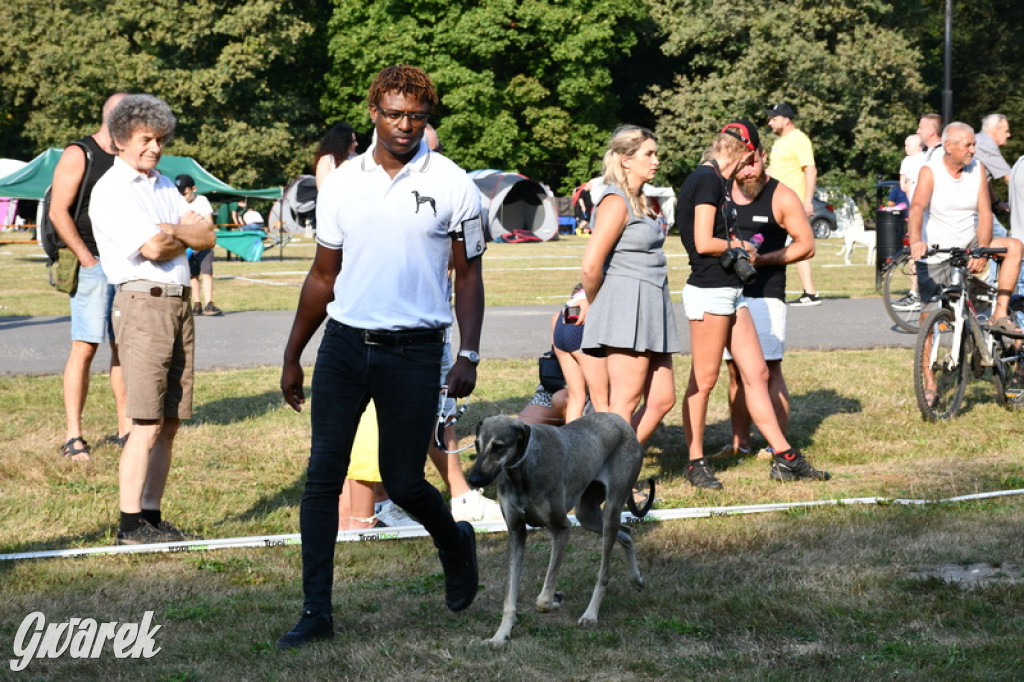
(792, 164)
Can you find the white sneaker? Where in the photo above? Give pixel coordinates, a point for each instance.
(473, 506)
(390, 514)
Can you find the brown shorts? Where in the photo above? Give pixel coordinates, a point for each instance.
(155, 338)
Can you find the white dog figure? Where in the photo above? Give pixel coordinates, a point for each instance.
(542, 472)
(855, 233)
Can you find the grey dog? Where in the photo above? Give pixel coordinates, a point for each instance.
(543, 472)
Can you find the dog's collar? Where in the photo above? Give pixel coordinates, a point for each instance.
(522, 458)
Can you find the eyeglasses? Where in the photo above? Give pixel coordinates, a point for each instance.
(417, 117)
(447, 417)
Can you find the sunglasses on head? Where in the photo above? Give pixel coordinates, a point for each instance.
(740, 132)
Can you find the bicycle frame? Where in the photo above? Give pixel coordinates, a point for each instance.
(955, 298)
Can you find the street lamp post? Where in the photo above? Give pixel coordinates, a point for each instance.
(947, 92)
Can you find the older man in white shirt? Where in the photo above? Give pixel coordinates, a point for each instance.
(143, 226)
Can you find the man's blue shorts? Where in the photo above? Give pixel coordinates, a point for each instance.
(90, 306)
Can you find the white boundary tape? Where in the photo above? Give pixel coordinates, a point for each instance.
(403, 532)
(263, 281)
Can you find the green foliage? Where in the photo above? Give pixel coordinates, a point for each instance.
(533, 86)
(227, 69)
(986, 64)
(524, 86)
(852, 76)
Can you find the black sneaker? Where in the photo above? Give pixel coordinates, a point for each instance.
(310, 628)
(197, 309)
(791, 466)
(806, 299)
(461, 576)
(211, 309)
(172, 533)
(698, 473)
(145, 534)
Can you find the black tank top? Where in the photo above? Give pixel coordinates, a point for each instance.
(758, 217)
(102, 160)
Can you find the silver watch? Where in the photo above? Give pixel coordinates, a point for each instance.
(470, 355)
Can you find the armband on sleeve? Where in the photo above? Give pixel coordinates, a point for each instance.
(472, 233)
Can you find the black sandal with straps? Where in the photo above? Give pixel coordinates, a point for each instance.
(69, 449)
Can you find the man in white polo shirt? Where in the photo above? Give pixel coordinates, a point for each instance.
(395, 214)
(142, 227)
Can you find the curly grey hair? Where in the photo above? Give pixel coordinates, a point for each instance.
(141, 111)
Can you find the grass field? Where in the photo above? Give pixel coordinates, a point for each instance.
(848, 592)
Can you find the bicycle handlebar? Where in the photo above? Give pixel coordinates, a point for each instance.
(976, 252)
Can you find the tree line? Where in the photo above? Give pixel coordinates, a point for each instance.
(532, 86)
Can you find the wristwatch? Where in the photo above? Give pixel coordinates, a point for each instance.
(470, 355)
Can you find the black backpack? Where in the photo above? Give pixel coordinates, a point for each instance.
(48, 237)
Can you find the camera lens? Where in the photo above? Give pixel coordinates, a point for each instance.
(744, 270)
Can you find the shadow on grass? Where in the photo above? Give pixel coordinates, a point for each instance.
(290, 496)
(97, 537)
(238, 408)
(807, 412)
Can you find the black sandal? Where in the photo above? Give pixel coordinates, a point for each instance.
(70, 450)
(115, 439)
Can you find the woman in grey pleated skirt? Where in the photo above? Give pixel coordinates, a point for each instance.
(628, 312)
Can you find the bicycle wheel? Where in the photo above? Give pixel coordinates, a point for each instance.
(899, 293)
(935, 356)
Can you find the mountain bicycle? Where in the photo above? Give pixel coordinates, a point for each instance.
(956, 344)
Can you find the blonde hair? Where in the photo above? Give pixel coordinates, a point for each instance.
(726, 146)
(626, 141)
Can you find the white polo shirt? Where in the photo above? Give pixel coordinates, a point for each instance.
(126, 209)
(396, 236)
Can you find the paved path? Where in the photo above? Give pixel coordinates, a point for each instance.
(39, 345)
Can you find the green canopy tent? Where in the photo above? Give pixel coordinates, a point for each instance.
(31, 181)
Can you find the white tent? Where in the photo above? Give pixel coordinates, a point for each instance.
(8, 166)
(511, 202)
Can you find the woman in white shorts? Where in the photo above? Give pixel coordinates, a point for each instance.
(713, 299)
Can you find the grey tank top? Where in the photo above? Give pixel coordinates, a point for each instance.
(638, 254)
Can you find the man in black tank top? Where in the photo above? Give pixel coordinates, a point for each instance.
(90, 303)
(767, 208)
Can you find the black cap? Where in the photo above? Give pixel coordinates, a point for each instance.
(183, 182)
(744, 131)
(781, 109)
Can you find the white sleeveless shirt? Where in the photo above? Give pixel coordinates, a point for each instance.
(952, 216)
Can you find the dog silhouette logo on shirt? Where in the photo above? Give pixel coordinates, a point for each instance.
(425, 200)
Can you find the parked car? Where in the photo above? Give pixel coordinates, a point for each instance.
(823, 222)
